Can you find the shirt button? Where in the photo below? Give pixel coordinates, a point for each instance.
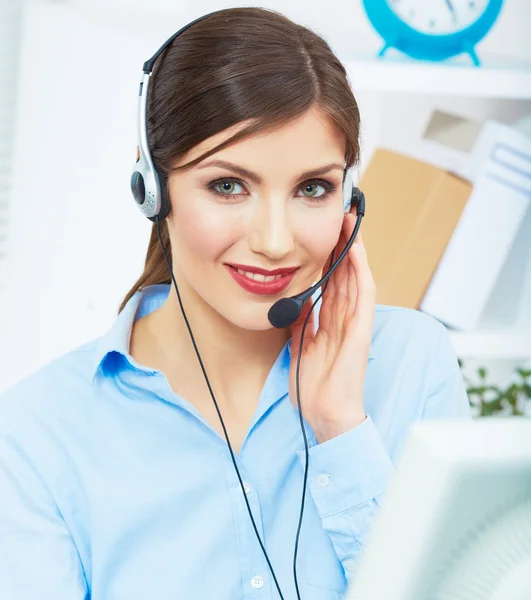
(257, 581)
(247, 487)
(350, 565)
(323, 479)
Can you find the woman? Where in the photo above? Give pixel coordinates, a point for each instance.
(116, 472)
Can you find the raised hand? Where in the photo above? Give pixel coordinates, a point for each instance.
(334, 359)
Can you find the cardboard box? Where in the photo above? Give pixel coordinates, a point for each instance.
(412, 211)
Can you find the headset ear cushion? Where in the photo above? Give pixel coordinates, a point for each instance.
(358, 201)
(165, 199)
(355, 197)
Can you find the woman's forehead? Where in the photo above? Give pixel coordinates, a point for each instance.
(312, 136)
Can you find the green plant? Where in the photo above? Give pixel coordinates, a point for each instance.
(493, 400)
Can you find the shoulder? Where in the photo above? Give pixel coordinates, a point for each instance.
(406, 332)
(50, 390)
(416, 365)
(414, 351)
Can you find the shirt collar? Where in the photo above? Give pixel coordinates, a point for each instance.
(118, 338)
(141, 303)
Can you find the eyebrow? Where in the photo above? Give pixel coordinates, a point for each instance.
(255, 178)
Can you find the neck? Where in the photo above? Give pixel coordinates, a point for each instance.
(234, 358)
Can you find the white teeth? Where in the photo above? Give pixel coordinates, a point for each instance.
(258, 277)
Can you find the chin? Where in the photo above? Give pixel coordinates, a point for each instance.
(249, 318)
(254, 323)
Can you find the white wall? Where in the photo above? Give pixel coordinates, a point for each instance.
(343, 22)
(10, 31)
(77, 240)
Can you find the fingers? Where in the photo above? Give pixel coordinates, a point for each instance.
(336, 297)
(327, 303)
(296, 328)
(366, 287)
(352, 275)
(347, 311)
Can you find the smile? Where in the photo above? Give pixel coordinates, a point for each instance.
(258, 276)
(257, 283)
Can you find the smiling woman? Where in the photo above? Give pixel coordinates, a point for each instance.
(117, 477)
(273, 73)
(256, 207)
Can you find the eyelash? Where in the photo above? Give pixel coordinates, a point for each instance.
(329, 187)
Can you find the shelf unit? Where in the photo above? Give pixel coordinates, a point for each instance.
(417, 77)
(501, 345)
(492, 81)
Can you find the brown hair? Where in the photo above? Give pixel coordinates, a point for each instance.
(235, 65)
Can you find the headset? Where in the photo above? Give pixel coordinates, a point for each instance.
(149, 188)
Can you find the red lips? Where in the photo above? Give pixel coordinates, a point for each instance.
(261, 287)
(260, 271)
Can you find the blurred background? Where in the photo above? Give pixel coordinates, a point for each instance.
(444, 89)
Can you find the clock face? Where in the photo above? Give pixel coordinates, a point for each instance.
(438, 17)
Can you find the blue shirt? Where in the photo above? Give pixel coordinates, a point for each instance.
(112, 487)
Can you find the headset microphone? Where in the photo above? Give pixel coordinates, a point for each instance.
(287, 310)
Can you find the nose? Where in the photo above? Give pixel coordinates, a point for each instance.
(270, 232)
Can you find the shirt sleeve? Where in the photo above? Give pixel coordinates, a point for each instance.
(347, 478)
(447, 397)
(348, 475)
(38, 558)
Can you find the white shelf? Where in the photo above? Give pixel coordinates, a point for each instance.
(427, 78)
(505, 345)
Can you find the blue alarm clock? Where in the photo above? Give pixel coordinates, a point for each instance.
(433, 29)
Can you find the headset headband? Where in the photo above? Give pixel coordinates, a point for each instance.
(148, 182)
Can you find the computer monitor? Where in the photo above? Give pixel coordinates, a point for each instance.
(456, 519)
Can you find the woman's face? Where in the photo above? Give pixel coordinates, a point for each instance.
(273, 216)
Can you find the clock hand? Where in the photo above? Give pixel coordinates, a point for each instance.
(452, 10)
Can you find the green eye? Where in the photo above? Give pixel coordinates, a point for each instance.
(314, 194)
(327, 187)
(227, 188)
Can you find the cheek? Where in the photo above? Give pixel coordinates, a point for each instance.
(319, 235)
(202, 234)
